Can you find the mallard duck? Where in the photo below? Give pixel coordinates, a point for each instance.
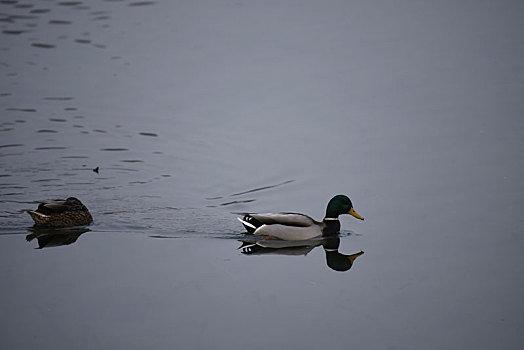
(296, 227)
(61, 213)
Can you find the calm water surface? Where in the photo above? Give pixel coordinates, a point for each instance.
(194, 111)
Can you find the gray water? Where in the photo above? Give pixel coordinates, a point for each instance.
(193, 111)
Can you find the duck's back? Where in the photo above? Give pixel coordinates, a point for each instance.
(288, 219)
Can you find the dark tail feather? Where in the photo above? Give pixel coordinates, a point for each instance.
(250, 223)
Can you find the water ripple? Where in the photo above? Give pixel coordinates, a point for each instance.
(49, 148)
(43, 46)
(261, 188)
(12, 145)
(21, 109)
(56, 21)
(142, 3)
(59, 98)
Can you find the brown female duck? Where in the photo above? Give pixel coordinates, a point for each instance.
(61, 213)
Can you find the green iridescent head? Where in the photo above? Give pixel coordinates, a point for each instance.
(339, 205)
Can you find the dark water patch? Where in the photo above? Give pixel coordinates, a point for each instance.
(5, 175)
(142, 3)
(262, 188)
(40, 11)
(158, 152)
(165, 175)
(83, 41)
(132, 161)
(214, 198)
(69, 3)
(79, 117)
(58, 120)
(100, 131)
(58, 21)
(100, 46)
(45, 180)
(148, 134)
(14, 187)
(24, 6)
(27, 110)
(4, 94)
(238, 202)
(74, 157)
(6, 129)
(49, 148)
(116, 57)
(59, 98)
(12, 194)
(20, 121)
(84, 132)
(43, 46)
(116, 149)
(77, 126)
(9, 2)
(71, 109)
(47, 131)
(12, 145)
(14, 32)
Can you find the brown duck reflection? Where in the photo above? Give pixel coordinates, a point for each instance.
(54, 237)
(334, 259)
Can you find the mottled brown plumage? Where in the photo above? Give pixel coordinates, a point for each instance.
(61, 213)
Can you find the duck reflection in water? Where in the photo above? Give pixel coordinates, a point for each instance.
(334, 259)
(54, 237)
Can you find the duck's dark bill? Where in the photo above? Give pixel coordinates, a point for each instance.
(355, 214)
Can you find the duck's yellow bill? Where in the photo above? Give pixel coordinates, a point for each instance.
(355, 214)
(352, 257)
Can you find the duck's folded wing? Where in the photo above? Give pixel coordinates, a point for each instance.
(288, 219)
(56, 206)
